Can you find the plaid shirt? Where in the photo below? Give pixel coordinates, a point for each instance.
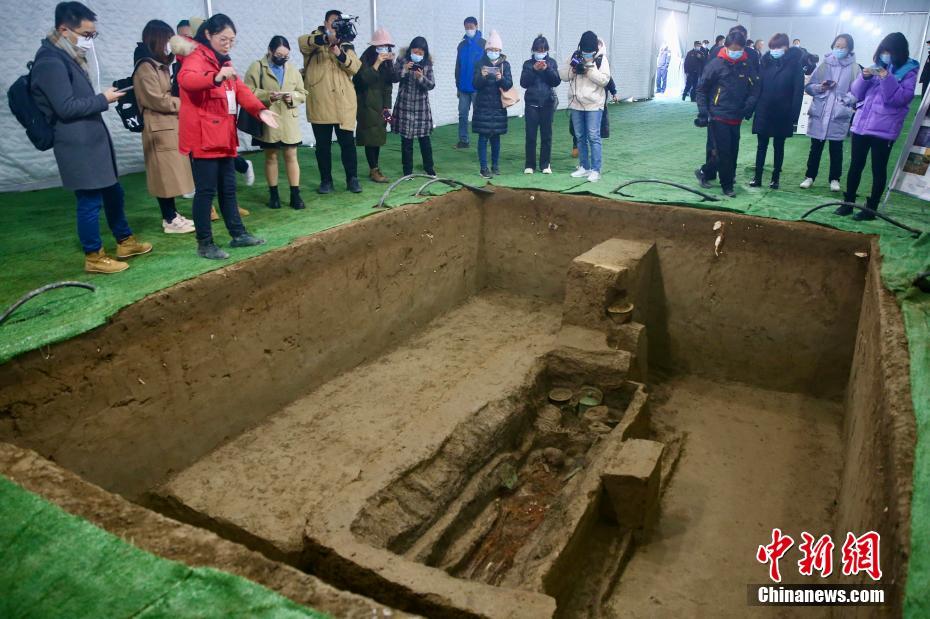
(413, 117)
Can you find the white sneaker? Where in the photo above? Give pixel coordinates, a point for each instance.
(250, 174)
(179, 225)
(528, 171)
(807, 182)
(594, 176)
(189, 196)
(547, 170)
(580, 173)
(834, 186)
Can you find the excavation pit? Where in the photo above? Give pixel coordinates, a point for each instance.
(371, 404)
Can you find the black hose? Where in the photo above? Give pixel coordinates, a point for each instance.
(706, 196)
(922, 281)
(6, 314)
(893, 222)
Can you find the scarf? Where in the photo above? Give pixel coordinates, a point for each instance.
(76, 53)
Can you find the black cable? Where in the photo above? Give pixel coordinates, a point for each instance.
(893, 222)
(6, 314)
(922, 281)
(706, 196)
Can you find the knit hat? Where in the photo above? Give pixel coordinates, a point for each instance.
(382, 37)
(588, 42)
(196, 23)
(494, 41)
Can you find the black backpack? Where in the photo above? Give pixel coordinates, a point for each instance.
(127, 107)
(39, 130)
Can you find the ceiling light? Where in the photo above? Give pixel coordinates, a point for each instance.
(876, 30)
(846, 15)
(828, 8)
(858, 21)
(806, 3)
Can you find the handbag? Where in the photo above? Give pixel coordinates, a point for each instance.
(247, 123)
(510, 97)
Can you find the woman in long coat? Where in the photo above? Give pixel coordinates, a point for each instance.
(779, 104)
(413, 117)
(167, 171)
(492, 77)
(374, 88)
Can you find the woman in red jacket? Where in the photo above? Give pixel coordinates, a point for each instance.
(211, 95)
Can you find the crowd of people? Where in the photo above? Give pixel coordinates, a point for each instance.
(193, 101)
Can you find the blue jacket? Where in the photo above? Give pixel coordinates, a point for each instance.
(470, 51)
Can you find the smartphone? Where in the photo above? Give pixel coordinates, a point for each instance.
(493, 70)
(829, 83)
(127, 89)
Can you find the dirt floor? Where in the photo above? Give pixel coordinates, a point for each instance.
(335, 447)
(752, 459)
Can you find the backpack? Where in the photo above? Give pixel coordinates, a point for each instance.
(127, 107)
(39, 130)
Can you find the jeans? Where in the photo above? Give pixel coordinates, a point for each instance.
(881, 151)
(212, 177)
(661, 79)
(723, 150)
(588, 129)
(89, 202)
(762, 150)
(836, 158)
(324, 149)
(426, 151)
(466, 101)
(539, 118)
(483, 150)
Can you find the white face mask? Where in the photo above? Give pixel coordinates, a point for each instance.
(85, 44)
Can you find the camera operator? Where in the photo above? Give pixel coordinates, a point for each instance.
(588, 77)
(330, 63)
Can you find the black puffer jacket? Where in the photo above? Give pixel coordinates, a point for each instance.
(782, 91)
(728, 90)
(694, 61)
(490, 116)
(540, 85)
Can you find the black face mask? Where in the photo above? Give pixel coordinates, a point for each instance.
(278, 61)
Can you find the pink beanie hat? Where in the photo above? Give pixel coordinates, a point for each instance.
(494, 41)
(382, 37)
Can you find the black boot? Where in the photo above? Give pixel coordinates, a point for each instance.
(756, 181)
(296, 202)
(274, 201)
(325, 187)
(353, 185)
(776, 176)
(865, 215)
(844, 210)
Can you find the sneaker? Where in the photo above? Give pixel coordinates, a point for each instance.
(580, 173)
(129, 247)
(699, 174)
(528, 171)
(431, 173)
(843, 210)
(594, 176)
(496, 171)
(99, 262)
(756, 182)
(807, 182)
(485, 173)
(863, 216)
(246, 240)
(729, 192)
(178, 225)
(774, 184)
(547, 170)
(189, 196)
(325, 187)
(210, 251)
(834, 186)
(250, 174)
(353, 185)
(462, 145)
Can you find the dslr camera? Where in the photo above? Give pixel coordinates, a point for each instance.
(577, 63)
(344, 27)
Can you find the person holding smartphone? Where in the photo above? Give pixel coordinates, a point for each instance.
(413, 116)
(278, 85)
(492, 77)
(374, 88)
(540, 77)
(886, 90)
(831, 111)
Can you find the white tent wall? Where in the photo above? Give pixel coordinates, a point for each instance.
(634, 31)
(701, 22)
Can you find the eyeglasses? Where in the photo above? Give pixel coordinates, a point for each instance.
(90, 36)
(230, 41)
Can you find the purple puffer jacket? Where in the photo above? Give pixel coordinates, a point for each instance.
(885, 103)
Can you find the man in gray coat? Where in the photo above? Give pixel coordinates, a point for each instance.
(83, 149)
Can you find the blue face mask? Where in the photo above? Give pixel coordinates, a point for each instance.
(886, 59)
(540, 56)
(777, 53)
(587, 55)
(734, 55)
(840, 53)
(492, 56)
(382, 50)
(416, 57)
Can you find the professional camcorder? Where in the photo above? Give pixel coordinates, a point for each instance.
(344, 27)
(578, 63)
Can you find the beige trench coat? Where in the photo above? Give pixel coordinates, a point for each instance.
(330, 91)
(263, 82)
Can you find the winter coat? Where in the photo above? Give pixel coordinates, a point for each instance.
(467, 55)
(831, 111)
(374, 90)
(728, 90)
(885, 102)
(540, 85)
(207, 129)
(63, 92)
(328, 81)
(588, 91)
(263, 82)
(413, 117)
(694, 61)
(490, 115)
(167, 171)
(780, 98)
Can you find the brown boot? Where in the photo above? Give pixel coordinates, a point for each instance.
(99, 262)
(214, 216)
(243, 212)
(129, 247)
(377, 176)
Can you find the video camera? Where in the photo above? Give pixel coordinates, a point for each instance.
(577, 63)
(344, 27)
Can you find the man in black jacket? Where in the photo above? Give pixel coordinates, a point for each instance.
(718, 45)
(694, 65)
(727, 93)
(925, 75)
